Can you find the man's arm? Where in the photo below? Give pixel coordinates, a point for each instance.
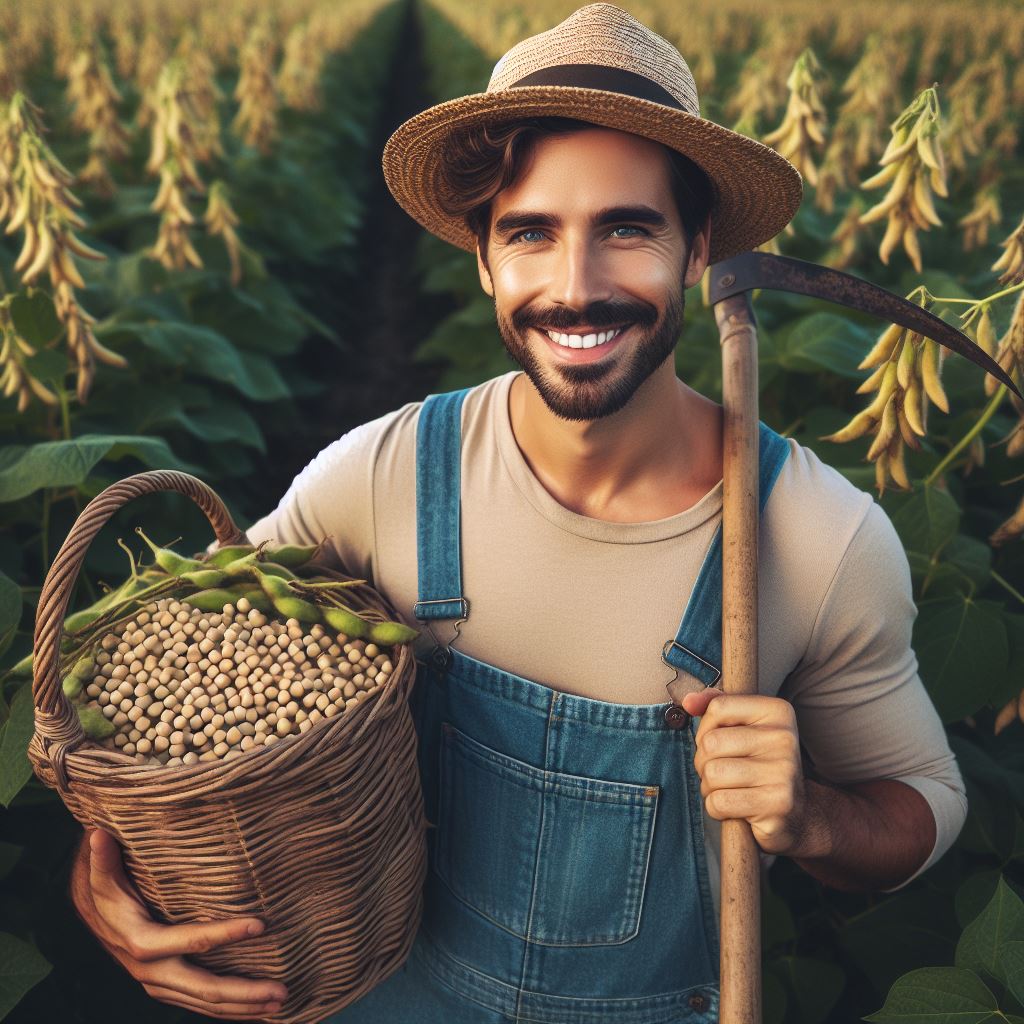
(865, 836)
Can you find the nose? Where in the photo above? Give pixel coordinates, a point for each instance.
(578, 276)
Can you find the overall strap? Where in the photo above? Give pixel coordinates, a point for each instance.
(438, 472)
(697, 647)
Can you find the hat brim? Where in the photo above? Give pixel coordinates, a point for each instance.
(757, 190)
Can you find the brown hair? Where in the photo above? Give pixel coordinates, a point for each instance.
(479, 161)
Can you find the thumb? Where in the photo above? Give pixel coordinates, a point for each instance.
(696, 703)
(105, 855)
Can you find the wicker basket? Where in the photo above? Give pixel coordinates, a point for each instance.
(321, 836)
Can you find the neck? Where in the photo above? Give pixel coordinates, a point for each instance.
(657, 456)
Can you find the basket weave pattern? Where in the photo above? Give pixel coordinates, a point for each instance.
(320, 836)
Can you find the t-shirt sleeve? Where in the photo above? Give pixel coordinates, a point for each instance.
(862, 711)
(332, 498)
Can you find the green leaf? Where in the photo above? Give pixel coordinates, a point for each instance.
(1011, 685)
(823, 341)
(35, 319)
(15, 767)
(28, 468)
(926, 520)
(1011, 965)
(962, 652)
(10, 611)
(204, 352)
(938, 995)
(972, 557)
(1001, 921)
(815, 985)
(22, 967)
(975, 892)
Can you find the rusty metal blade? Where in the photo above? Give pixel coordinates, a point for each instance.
(752, 270)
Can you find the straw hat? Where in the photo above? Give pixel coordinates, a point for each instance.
(603, 66)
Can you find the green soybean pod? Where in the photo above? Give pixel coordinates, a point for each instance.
(292, 555)
(72, 686)
(168, 560)
(391, 633)
(276, 569)
(225, 556)
(211, 600)
(258, 600)
(296, 608)
(94, 724)
(345, 622)
(205, 578)
(274, 587)
(241, 567)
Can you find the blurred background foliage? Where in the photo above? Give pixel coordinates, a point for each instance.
(257, 293)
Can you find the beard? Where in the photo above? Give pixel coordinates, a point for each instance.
(590, 391)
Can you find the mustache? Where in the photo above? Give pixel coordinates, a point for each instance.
(594, 314)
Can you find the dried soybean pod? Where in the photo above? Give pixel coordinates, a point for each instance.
(391, 633)
(346, 622)
(168, 560)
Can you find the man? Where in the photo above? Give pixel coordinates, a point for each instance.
(549, 528)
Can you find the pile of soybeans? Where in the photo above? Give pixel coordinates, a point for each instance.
(180, 685)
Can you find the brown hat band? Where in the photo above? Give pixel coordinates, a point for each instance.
(600, 76)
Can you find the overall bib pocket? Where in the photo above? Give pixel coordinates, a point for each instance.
(556, 859)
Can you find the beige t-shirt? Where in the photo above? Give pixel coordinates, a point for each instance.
(585, 606)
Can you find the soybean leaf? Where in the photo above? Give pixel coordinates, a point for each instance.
(933, 578)
(22, 967)
(815, 985)
(35, 319)
(976, 891)
(204, 352)
(998, 768)
(1012, 681)
(971, 557)
(822, 341)
(28, 468)
(926, 520)
(15, 767)
(937, 995)
(1011, 963)
(10, 611)
(991, 826)
(962, 652)
(1001, 921)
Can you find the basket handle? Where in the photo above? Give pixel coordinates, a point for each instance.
(56, 722)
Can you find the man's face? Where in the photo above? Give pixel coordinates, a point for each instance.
(587, 247)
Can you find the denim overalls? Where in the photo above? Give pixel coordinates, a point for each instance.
(567, 880)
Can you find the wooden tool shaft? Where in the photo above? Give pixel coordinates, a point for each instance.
(740, 931)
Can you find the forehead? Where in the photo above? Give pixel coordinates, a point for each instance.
(590, 168)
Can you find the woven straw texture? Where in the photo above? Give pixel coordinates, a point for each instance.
(321, 836)
(757, 191)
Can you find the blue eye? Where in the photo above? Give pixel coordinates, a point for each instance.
(529, 231)
(629, 227)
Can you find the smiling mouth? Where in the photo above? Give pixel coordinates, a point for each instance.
(589, 340)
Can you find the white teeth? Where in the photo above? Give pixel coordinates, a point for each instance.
(583, 340)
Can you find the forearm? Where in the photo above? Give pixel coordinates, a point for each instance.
(867, 836)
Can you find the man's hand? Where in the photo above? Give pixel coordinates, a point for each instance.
(154, 954)
(748, 760)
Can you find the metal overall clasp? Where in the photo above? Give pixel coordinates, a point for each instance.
(675, 716)
(440, 656)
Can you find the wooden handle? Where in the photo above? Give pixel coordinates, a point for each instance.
(740, 932)
(56, 721)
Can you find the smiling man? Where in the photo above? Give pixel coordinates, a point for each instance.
(556, 532)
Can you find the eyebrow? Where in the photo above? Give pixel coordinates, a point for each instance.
(515, 220)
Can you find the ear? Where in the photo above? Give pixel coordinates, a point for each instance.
(485, 275)
(698, 259)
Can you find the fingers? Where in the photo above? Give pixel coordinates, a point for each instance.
(221, 1011)
(152, 941)
(192, 981)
